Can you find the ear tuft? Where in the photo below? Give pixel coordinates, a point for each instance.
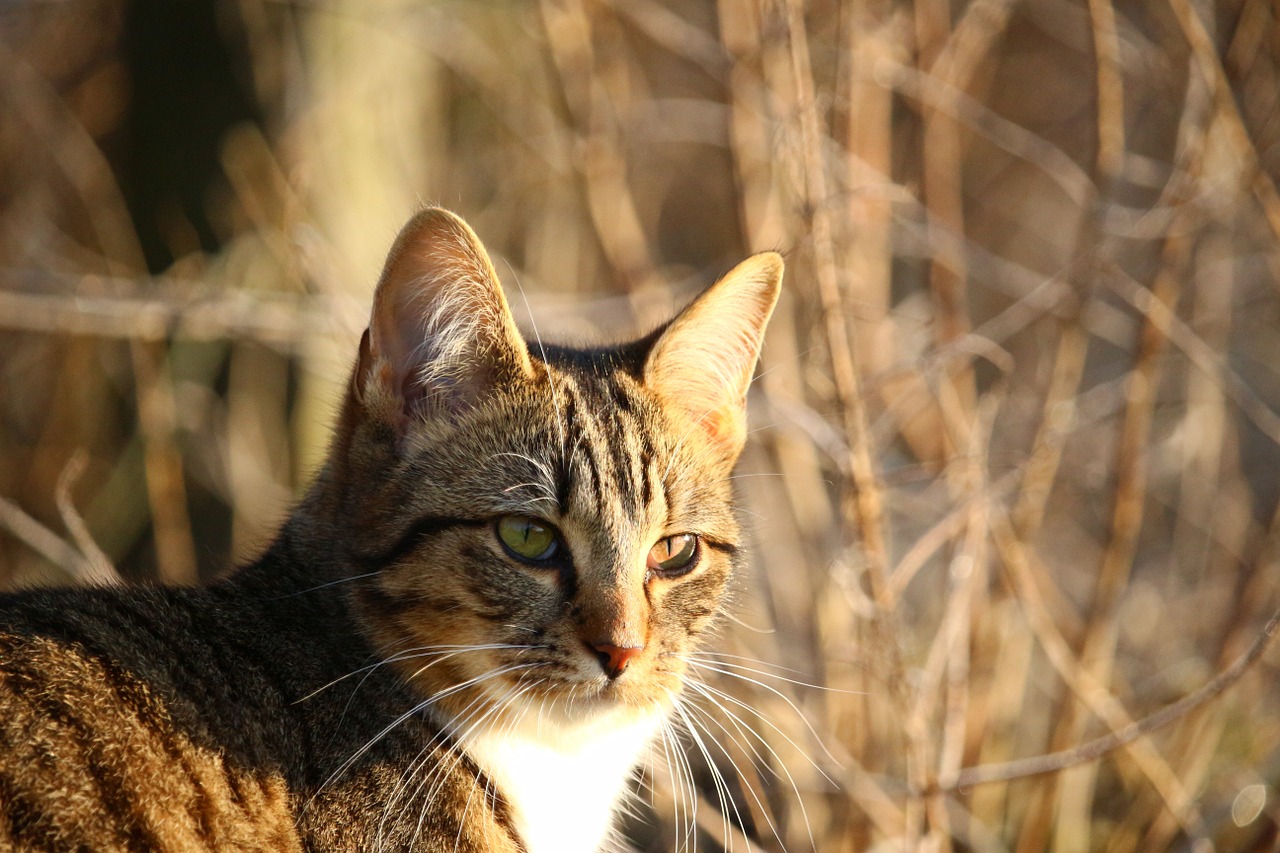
(701, 365)
(441, 337)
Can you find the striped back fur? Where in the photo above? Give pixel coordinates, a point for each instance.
(466, 633)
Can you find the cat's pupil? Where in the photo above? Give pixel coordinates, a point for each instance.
(527, 538)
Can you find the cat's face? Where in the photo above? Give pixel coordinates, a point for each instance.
(548, 532)
(553, 536)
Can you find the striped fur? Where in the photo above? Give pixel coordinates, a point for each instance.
(388, 676)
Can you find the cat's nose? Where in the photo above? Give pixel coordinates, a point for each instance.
(614, 659)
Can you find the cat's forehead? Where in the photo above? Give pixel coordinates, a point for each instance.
(586, 440)
(605, 441)
(599, 363)
(584, 444)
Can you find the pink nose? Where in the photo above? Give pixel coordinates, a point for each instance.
(614, 659)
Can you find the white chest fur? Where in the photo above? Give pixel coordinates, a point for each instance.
(563, 782)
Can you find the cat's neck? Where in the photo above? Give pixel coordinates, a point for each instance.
(564, 781)
(308, 552)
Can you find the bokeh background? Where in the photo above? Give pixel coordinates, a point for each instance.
(1015, 461)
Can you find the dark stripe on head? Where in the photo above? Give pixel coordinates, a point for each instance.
(588, 448)
(410, 539)
(616, 439)
(568, 577)
(642, 461)
(621, 397)
(384, 602)
(723, 547)
(564, 473)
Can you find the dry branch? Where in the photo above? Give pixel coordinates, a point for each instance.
(97, 568)
(286, 323)
(43, 541)
(1099, 747)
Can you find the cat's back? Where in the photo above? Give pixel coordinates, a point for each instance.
(242, 716)
(131, 721)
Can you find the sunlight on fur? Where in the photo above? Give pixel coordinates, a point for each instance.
(468, 635)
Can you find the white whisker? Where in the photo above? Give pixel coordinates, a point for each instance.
(743, 728)
(721, 785)
(318, 587)
(707, 661)
(790, 704)
(409, 654)
(416, 709)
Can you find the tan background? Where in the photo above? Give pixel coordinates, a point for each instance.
(1014, 470)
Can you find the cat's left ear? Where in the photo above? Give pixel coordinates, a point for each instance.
(702, 363)
(441, 338)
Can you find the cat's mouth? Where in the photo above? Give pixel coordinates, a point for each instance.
(633, 690)
(574, 698)
(571, 687)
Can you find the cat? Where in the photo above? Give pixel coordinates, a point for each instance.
(464, 636)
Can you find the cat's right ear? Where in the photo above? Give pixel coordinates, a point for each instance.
(441, 338)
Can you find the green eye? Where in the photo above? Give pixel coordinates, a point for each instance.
(527, 538)
(674, 555)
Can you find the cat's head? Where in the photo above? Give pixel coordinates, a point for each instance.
(545, 527)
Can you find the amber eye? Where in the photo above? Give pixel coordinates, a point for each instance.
(527, 538)
(674, 555)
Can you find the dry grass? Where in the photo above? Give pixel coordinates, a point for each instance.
(1014, 477)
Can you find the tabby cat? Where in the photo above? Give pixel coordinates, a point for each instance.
(464, 636)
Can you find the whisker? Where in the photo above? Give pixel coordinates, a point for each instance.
(499, 705)
(409, 654)
(792, 705)
(416, 709)
(317, 587)
(717, 778)
(752, 628)
(419, 763)
(680, 773)
(744, 728)
(706, 662)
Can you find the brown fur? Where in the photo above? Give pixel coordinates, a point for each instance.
(306, 701)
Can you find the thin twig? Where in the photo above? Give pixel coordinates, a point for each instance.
(1201, 354)
(1232, 123)
(98, 570)
(589, 80)
(1084, 684)
(969, 583)
(1110, 88)
(866, 503)
(42, 540)
(1011, 137)
(1126, 515)
(162, 463)
(1097, 748)
(285, 323)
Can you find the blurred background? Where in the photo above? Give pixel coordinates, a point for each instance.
(1015, 464)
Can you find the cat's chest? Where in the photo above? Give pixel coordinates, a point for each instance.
(563, 789)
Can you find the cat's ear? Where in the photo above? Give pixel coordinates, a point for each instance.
(702, 363)
(441, 338)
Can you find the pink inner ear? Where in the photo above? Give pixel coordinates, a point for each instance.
(702, 363)
(441, 337)
(725, 425)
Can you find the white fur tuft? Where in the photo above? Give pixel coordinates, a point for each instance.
(563, 782)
